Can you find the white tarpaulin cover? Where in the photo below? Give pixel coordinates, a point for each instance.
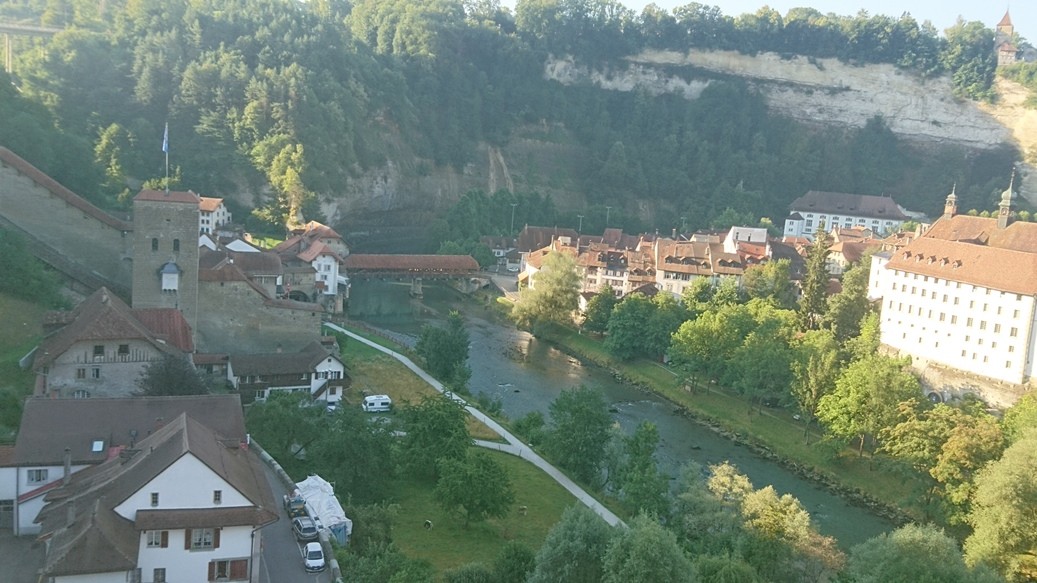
(320, 496)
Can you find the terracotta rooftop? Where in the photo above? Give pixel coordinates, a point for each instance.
(411, 263)
(841, 203)
(187, 197)
(209, 204)
(533, 238)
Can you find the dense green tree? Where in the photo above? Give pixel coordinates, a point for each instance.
(724, 569)
(704, 523)
(706, 344)
(476, 487)
(287, 427)
(470, 573)
(599, 310)
(646, 552)
(171, 374)
(356, 455)
(1004, 524)
(553, 294)
(628, 326)
(866, 398)
(435, 430)
(1021, 416)
(445, 351)
(866, 343)
(665, 319)
(513, 563)
(847, 308)
(812, 303)
(917, 553)
(815, 367)
(579, 432)
(950, 445)
(574, 548)
(641, 485)
(771, 281)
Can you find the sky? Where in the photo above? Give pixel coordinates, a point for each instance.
(942, 13)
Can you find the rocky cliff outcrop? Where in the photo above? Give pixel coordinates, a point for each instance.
(815, 91)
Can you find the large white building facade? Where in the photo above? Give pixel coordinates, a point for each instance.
(963, 294)
(829, 210)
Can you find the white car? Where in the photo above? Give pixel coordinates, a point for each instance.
(377, 403)
(313, 558)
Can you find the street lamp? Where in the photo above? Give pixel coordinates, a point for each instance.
(513, 205)
(580, 228)
(608, 212)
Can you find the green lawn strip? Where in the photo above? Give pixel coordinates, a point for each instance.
(774, 429)
(449, 545)
(21, 322)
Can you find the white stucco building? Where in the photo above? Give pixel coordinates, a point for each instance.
(212, 214)
(963, 294)
(838, 209)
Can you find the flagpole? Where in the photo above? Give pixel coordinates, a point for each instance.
(165, 148)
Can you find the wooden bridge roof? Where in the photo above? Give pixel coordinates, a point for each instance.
(412, 263)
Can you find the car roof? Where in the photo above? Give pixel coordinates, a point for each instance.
(303, 520)
(376, 397)
(312, 546)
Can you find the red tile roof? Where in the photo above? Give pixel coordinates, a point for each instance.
(209, 204)
(411, 263)
(841, 203)
(167, 324)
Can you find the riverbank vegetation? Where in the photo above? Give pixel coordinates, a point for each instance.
(742, 361)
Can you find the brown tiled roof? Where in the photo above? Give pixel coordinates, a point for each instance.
(92, 495)
(209, 204)
(315, 250)
(175, 518)
(533, 238)
(981, 265)
(1018, 236)
(411, 263)
(316, 230)
(279, 363)
(167, 324)
(841, 203)
(187, 197)
(262, 263)
(50, 425)
(205, 358)
(1006, 20)
(13, 160)
(104, 317)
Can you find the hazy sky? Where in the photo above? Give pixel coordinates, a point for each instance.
(942, 13)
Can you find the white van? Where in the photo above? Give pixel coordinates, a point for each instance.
(377, 403)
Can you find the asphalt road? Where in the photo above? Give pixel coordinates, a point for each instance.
(281, 558)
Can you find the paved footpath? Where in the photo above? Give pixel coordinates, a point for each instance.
(514, 445)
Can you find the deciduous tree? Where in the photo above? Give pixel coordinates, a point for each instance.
(599, 310)
(916, 553)
(553, 295)
(171, 374)
(815, 368)
(641, 485)
(435, 431)
(628, 327)
(847, 308)
(445, 351)
(812, 303)
(476, 487)
(646, 552)
(771, 281)
(579, 432)
(573, 549)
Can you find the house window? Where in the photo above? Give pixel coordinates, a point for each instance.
(95, 373)
(1008, 364)
(954, 319)
(968, 322)
(228, 570)
(982, 324)
(158, 539)
(217, 496)
(1013, 332)
(98, 350)
(154, 244)
(159, 575)
(124, 350)
(81, 394)
(80, 373)
(197, 539)
(37, 476)
(154, 498)
(997, 328)
(176, 244)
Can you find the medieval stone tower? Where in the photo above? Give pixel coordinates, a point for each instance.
(165, 252)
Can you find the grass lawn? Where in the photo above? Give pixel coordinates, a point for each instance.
(774, 427)
(449, 544)
(378, 373)
(21, 322)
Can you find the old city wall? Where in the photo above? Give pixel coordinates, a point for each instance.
(235, 318)
(67, 226)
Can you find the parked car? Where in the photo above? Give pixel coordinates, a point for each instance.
(313, 558)
(304, 528)
(377, 403)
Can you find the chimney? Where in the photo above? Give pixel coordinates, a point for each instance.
(673, 234)
(68, 467)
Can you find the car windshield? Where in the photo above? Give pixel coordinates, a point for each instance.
(315, 554)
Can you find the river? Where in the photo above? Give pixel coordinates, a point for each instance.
(527, 374)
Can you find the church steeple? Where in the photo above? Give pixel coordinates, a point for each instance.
(950, 208)
(1004, 212)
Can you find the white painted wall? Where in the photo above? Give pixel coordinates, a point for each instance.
(27, 511)
(117, 577)
(172, 493)
(326, 267)
(334, 369)
(183, 565)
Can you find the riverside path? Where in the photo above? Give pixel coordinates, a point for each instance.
(514, 445)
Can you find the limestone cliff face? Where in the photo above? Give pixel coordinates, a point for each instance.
(815, 91)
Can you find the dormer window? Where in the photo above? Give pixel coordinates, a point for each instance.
(97, 446)
(154, 243)
(170, 274)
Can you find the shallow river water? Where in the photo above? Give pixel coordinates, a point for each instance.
(526, 375)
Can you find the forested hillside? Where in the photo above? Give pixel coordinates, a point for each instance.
(383, 111)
